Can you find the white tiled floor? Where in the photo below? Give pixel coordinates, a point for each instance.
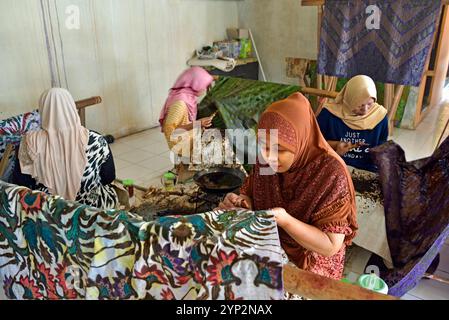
(144, 157)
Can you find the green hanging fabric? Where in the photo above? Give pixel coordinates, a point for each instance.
(240, 102)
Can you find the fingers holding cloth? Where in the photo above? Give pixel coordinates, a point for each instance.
(234, 201)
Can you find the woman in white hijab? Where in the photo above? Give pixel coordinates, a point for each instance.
(64, 158)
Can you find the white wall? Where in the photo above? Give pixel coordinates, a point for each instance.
(24, 67)
(281, 28)
(129, 52)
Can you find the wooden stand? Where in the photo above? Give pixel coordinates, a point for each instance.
(393, 93)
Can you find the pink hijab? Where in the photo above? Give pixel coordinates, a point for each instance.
(187, 89)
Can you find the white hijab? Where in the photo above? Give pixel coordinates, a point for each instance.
(55, 156)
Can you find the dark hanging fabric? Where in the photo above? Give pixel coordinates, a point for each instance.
(396, 52)
(416, 201)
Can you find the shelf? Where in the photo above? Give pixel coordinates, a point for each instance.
(241, 62)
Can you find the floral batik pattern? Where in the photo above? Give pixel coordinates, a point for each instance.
(11, 132)
(54, 249)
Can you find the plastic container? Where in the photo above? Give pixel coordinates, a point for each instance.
(245, 49)
(169, 181)
(230, 48)
(344, 280)
(128, 184)
(373, 282)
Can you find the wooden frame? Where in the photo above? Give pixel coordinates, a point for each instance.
(420, 110)
(319, 92)
(81, 105)
(393, 92)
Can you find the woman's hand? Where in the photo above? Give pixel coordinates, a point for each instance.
(233, 201)
(309, 236)
(345, 147)
(281, 216)
(206, 122)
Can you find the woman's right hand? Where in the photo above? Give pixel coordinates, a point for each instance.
(206, 122)
(233, 201)
(345, 147)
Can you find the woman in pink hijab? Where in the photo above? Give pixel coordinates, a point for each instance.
(181, 108)
(180, 111)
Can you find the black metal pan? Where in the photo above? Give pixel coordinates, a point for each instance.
(219, 180)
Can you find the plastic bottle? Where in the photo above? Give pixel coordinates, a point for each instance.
(169, 181)
(129, 186)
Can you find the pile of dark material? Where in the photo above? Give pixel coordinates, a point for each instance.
(367, 185)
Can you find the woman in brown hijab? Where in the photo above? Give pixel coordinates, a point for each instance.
(310, 192)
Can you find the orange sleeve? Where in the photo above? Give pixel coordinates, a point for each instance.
(337, 218)
(247, 187)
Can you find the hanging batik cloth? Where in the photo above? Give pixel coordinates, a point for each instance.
(51, 248)
(387, 40)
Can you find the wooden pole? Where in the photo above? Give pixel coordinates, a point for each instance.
(388, 96)
(138, 187)
(81, 104)
(394, 107)
(436, 278)
(319, 92)
(419, 115)
(441, 61)
(329, 94)
(316, 287)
